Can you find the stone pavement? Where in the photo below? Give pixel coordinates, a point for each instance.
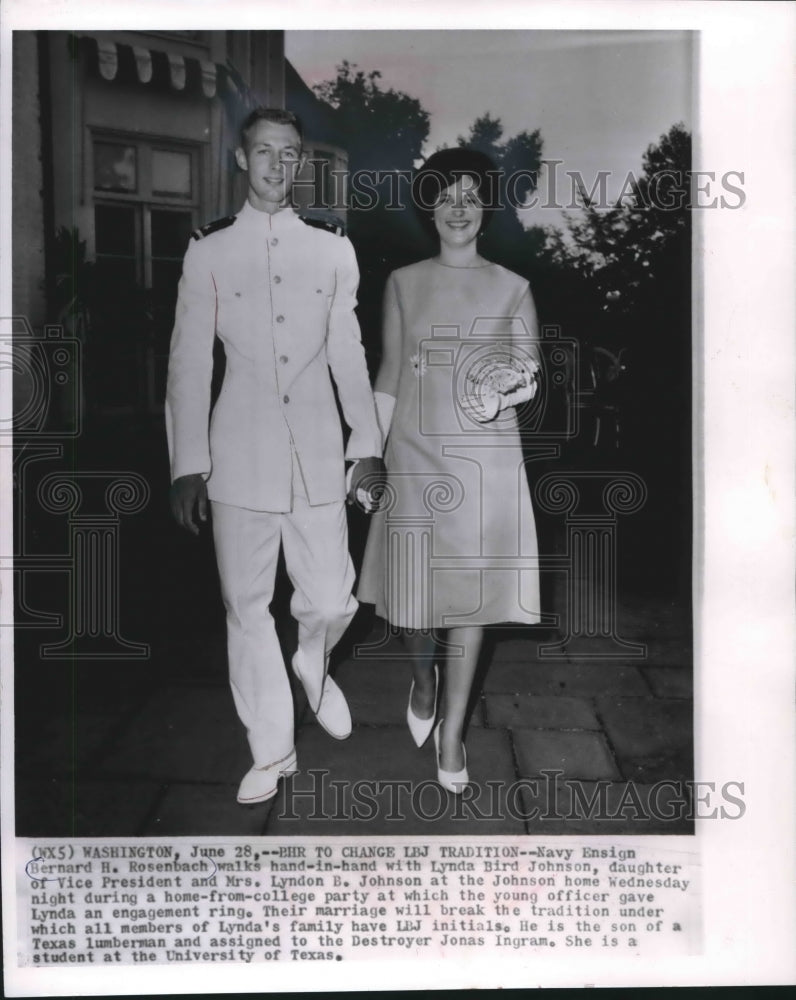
(154, 748)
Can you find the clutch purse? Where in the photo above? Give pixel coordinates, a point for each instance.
(508, 382)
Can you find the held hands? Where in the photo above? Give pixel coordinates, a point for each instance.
(189, 493)
(366, 480)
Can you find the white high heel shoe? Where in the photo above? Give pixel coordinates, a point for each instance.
(421, 728)
(453, 781)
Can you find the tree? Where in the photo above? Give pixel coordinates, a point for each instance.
(634, 257)
(624, 284)
(518, 159)
(385, 129)
(623, 276)
(384, 132)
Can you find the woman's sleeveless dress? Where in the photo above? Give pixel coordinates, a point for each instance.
(456, 543)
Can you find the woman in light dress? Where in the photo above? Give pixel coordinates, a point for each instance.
(453, 547)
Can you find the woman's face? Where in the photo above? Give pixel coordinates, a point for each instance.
(458, 213)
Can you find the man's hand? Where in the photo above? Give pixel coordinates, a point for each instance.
(189, 493)
(367, 483)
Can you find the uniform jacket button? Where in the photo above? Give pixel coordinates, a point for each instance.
(286, 399)
(280, 319)
(277, 279)
(274, 242)
(283, 359)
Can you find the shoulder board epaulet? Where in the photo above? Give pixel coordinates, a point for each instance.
(212, 227)
(330, 225)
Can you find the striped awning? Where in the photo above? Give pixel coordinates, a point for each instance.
(109, 54)
(118, 61)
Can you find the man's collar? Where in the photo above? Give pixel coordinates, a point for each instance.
(278, 220)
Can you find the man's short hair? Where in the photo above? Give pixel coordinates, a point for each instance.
(276, 115)
(444, 168)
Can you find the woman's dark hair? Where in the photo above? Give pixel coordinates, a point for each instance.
(443, 169)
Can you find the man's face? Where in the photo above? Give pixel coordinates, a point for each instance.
(272, 158)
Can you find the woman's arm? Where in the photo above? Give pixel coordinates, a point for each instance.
(525, 331)
(525, 351)
(385, 388)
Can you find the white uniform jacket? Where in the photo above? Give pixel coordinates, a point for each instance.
(280, 294)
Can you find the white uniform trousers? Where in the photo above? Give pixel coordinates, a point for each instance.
(315, 542)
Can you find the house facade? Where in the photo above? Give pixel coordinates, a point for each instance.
(123, 143)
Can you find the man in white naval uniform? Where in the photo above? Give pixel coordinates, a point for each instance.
(280, 294)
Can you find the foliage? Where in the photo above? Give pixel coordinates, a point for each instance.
(519, 159)
(633, 256)
(617, 279)
(385, 129)
(622, 284)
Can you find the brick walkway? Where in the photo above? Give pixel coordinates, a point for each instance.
(156, 748)
(153, 746)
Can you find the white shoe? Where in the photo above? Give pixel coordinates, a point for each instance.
(313, 686)
(453, 781)
(421, 728)
(260, 782)
(332, 713)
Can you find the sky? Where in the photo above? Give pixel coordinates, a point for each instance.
(598, 97)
